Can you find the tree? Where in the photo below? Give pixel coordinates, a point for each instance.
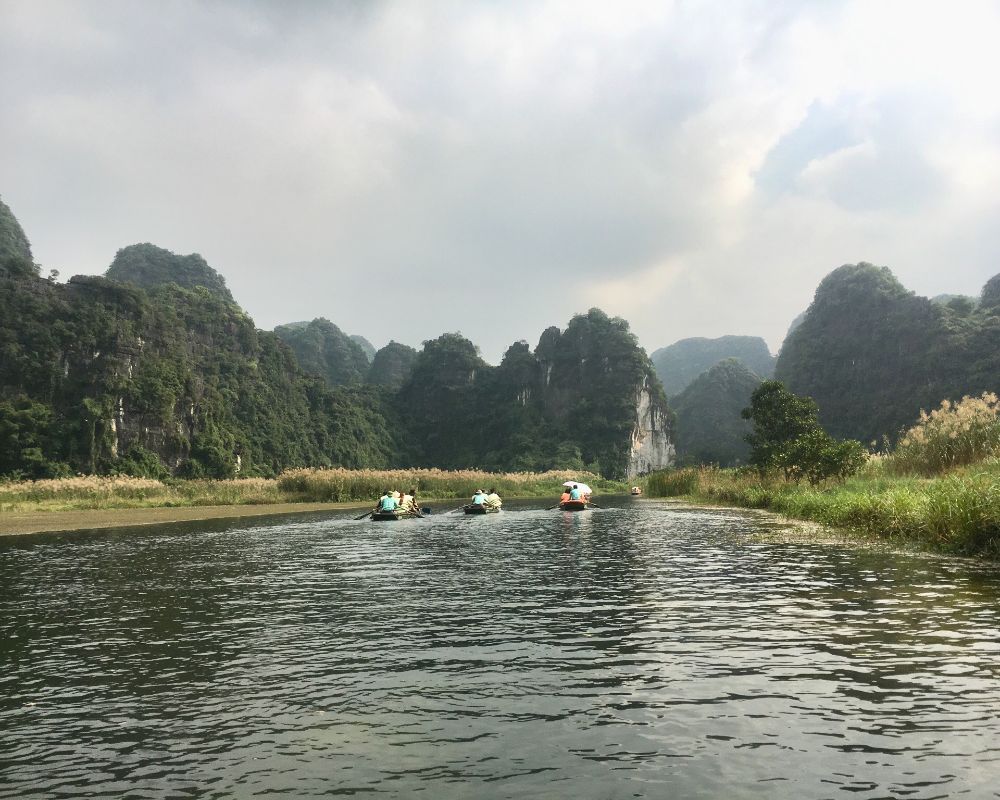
(787, 437)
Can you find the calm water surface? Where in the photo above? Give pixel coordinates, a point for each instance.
(638, 651)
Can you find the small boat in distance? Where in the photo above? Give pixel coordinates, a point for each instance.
(636, 490)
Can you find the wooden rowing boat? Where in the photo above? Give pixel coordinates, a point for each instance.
(473, 508)
(391, 516)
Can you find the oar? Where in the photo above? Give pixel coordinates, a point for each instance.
(366, 514)
(595, 505)
(555, 506)
(455, 509)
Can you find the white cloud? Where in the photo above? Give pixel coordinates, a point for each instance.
(697, 167)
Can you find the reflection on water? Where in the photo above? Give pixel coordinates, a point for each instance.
(635, 651)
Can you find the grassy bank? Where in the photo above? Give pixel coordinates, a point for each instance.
(954, 512)
(296, 486)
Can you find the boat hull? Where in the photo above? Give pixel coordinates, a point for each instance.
(573, 505)
(392, 516)
(477, 509)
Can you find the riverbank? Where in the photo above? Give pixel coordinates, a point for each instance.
(101, 502)
(13, 524)
(957, 513)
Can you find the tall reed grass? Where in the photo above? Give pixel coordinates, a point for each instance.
(957, 513)
(342, 485)
(95, 492)
(300, 485)
(952, 435)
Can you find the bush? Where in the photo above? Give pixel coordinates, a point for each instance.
(787, 436)
(140, 463)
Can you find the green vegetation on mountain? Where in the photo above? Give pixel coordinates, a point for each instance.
(13, 242)
(710, 429)
(322, 349)
(956, 302)
(680, 363)
(148, 267)
(571, 403)
(366, 347)
(100, 376)
(154, 371)
(872, 354)
(392, 365)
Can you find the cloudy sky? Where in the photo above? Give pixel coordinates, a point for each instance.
(409, 168)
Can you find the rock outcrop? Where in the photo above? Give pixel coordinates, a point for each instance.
(650, 447)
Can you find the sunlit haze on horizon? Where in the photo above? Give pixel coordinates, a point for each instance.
(406, 169)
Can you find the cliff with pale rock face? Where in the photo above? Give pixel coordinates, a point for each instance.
(651, 446)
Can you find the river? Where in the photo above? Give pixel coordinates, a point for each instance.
(640, 650)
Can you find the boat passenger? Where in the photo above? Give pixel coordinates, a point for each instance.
(493, 499)
(564, 497)
(408, 503)
(479, 497)
(576, 494)
(387, 503)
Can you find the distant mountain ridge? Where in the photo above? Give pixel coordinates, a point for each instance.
(710, 429)
(677, 365)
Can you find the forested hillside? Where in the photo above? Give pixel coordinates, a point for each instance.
(683, 361)
(710, 429)
(366, 347)
(321, 348)
(873, 354)
(99, 376)
(13, 242)
(392, 365)
(577, 400)
(158, 371)
(148, 267)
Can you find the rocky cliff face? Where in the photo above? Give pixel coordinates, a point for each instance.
(651, 446)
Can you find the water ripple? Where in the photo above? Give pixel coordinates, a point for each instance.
(639, 651)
